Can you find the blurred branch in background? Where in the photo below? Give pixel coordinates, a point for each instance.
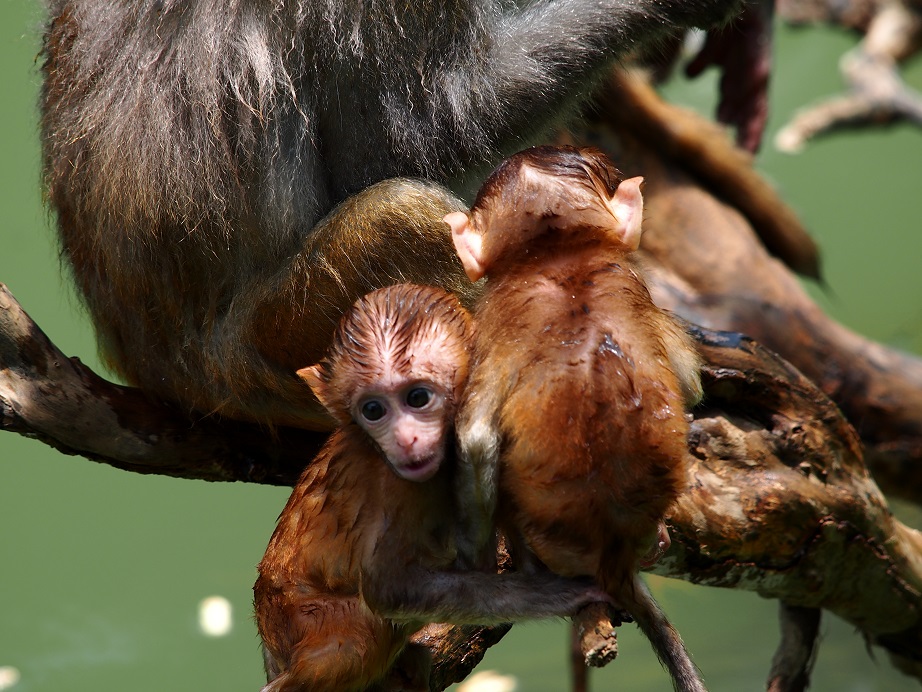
(876, 94)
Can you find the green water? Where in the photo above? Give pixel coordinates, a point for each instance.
(102, 571)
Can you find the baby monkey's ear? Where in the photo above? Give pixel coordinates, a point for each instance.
(468, 244)
(313, 378)
(627, 207)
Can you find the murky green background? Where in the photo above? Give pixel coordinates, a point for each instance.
(102, 571)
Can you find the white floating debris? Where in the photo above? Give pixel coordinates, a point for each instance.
(489, 681)
(9, 676)
(215, 617)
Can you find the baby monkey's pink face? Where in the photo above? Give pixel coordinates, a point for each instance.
(396, 368)
(410, 420)
(407, 406)
(403, 397)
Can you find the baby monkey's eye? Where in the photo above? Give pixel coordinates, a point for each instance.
(418, 397)
(373, 410)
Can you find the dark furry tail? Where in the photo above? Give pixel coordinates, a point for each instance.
(663, 637)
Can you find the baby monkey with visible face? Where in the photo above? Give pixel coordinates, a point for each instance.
(576, 403)
(364, 551)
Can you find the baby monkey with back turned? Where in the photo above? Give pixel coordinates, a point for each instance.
(364, 552)
(576, 404)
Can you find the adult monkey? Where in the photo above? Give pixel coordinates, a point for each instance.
(194, 150)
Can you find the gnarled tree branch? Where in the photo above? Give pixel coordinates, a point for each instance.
(59, 401)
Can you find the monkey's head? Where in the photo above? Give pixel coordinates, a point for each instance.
(397, 366)
(563, 190)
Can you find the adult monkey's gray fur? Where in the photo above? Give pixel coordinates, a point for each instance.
(194, 150)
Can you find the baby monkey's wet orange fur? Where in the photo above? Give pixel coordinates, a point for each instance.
(579, 383)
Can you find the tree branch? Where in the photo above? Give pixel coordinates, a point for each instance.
(794, 658)
(782, 504)
(59, 401)
(876, 93)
